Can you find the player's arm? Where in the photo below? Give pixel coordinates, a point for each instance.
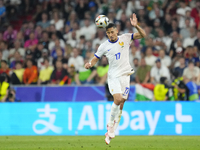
(141, 33)
(92, 62)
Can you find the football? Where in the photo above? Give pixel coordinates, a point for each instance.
(102, 21)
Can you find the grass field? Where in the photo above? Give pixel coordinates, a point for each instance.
(97, 142)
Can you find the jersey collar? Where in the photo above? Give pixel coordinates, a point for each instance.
(113, 42)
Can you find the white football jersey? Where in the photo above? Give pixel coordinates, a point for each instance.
(117, 54)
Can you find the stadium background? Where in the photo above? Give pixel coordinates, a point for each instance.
(45, 43)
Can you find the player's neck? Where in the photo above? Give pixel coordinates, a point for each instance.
(113, 41)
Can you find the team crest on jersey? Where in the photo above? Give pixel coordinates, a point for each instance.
(121, 44)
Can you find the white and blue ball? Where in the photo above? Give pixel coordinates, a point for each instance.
(102, 21)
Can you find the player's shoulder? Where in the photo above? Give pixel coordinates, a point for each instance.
(104, 44)
(126, 34)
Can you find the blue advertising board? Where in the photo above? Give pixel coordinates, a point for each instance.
(64, 93)
(90, 118)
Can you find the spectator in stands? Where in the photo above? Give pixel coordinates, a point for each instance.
(17, 58)
(135, 68)
(80, 9)
(167, 23)
(38, 32)
(17, 48)
(20, 38)
(38, 51)
(150, 58)
(4, 68)
(176, 42)
(1, 37)
(4, 50)
(73, 40)
(76, 60)
(92, 9)
(88, 30)
(10, 35)
(17, 75)
(162, 91)
(185, 32)
(38, 14)
(59, 23)
(195, 10)
(165, 60)
(82, 45)
(45, 73)
(85, 76)
(102, 71)
(4, 88)
(45, 39)
(182, 10)
(59, 56)
(2, 11)
(191, 72)
(197, 42)
(40, 62)
(32, 42)
(143, 72)
(188, 89)
(162, 41)
(190, 40)
(134, 54)
(148, 43)
(27, 30)
(175, 26)
(181, 66)
(190, 55)
(30, 74)
(100, 38)
(29, 54)
(124, 10)
(53, 41)
(60, 75)
(155, 12)
(52, 30)
(159, 71)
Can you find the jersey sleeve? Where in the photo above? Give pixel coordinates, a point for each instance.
(100, 52)
(128, 37)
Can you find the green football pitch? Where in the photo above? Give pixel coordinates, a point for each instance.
(97, 143)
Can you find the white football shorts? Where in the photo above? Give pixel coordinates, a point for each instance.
(120, 85)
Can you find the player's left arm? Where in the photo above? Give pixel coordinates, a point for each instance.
(141, 33)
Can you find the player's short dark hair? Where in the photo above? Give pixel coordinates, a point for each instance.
(110, 25)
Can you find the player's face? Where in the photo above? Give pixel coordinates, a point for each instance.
(112, 34)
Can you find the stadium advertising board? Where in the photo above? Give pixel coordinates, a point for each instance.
(84, 118)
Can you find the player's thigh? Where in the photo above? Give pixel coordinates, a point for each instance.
(114, 86)
(125, 86)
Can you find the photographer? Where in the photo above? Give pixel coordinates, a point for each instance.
(11, 96)
(4, 88)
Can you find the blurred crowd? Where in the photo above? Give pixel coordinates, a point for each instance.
(48, 41)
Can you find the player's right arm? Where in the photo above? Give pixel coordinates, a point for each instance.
(90, 64)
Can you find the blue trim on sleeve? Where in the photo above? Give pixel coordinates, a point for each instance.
(132, 36)
(113, 42)
(97, 56)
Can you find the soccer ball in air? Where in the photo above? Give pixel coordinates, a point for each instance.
(101, 21)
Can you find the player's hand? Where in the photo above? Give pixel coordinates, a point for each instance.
(88, 66)
(134, 20)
